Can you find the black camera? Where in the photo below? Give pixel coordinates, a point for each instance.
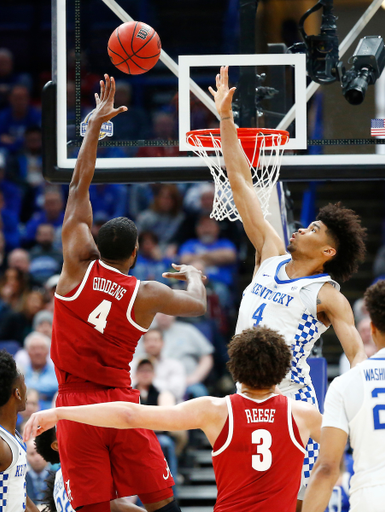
(368, 63)
(322, 59)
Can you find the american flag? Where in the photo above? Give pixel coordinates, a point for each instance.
(377, 127)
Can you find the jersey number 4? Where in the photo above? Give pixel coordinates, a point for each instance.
(98, 317)
(258, 314)
(262, 461)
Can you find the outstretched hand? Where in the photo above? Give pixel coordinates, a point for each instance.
(105, 110)
(182, 272)
(39, 422)
(223, 96)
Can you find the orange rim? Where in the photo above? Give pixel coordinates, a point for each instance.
(247, 136)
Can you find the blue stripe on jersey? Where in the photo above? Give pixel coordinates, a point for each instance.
(3, 490)
(279, 281)
(306, 331)
(17, 438)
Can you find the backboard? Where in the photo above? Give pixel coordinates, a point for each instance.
(330, 139)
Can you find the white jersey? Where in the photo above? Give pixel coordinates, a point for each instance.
(13, 495)
(60, 494)
(277, 302)
(355, 403)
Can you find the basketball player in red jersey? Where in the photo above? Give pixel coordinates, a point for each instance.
(100, 314)
(258, 437)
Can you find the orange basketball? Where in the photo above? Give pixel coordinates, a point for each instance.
(134, 47)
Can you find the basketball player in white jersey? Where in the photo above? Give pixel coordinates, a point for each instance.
(293, 289)
(354, 407)
(13, 451)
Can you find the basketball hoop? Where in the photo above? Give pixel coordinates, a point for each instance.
(263, 149)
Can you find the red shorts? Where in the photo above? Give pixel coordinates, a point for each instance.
(101, 464)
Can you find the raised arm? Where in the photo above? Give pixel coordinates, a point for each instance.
(260, 233)
(78, 244)
(338, 311)
(154, 297)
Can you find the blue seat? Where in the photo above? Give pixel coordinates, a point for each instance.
(10, 346)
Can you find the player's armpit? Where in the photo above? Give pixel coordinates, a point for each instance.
(338, 311)
(5, 455)
(154, 297)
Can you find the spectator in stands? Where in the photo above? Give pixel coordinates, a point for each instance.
(16, 118)
(150, 263)
(133, 124)
(37, 473)
(53, 213)
(16, 325)
(12, 194)
(163, 217)
(8, 78)
(170, 373)
(219, 257)
(13, 287)
(45, 259)
(19, 258)
(150, 395)
(198, 201)
(364, 329)
(186, 343)
(39, 372)
(164, 128)
(26, 169)
(50, 288)
(98, 220)
(42, 322)
(109, 199)
(9, 222)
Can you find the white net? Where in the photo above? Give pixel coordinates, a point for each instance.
(264, 175)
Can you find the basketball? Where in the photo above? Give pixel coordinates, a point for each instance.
(134, 47)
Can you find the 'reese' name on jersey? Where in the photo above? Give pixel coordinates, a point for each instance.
(105, 285)
(260, 415)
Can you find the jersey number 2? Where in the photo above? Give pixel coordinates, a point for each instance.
(262, 461)
(98, 317)
(258, 313)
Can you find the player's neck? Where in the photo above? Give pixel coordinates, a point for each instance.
(256, 394)
(8, 418)
(303, 267)
(122, 267)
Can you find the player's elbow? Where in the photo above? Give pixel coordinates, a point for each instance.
(328, 470)
(201, 307)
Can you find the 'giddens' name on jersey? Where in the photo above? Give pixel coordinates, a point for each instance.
(260, 415)
(105, 285)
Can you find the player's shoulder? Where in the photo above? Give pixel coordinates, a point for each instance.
(343, 383)
(330, 294)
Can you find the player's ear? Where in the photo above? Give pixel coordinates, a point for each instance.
(55, 445)
(329, 251)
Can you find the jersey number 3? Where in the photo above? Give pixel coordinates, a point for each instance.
(98, 317)
(262, 461)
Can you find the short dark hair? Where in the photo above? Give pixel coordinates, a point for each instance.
(259, 357)
(344, 228)
(43, 446)
(8, 375)
(375, 304)
(117, 239)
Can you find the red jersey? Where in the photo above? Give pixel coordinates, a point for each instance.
(94, 333)
(258, 456)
